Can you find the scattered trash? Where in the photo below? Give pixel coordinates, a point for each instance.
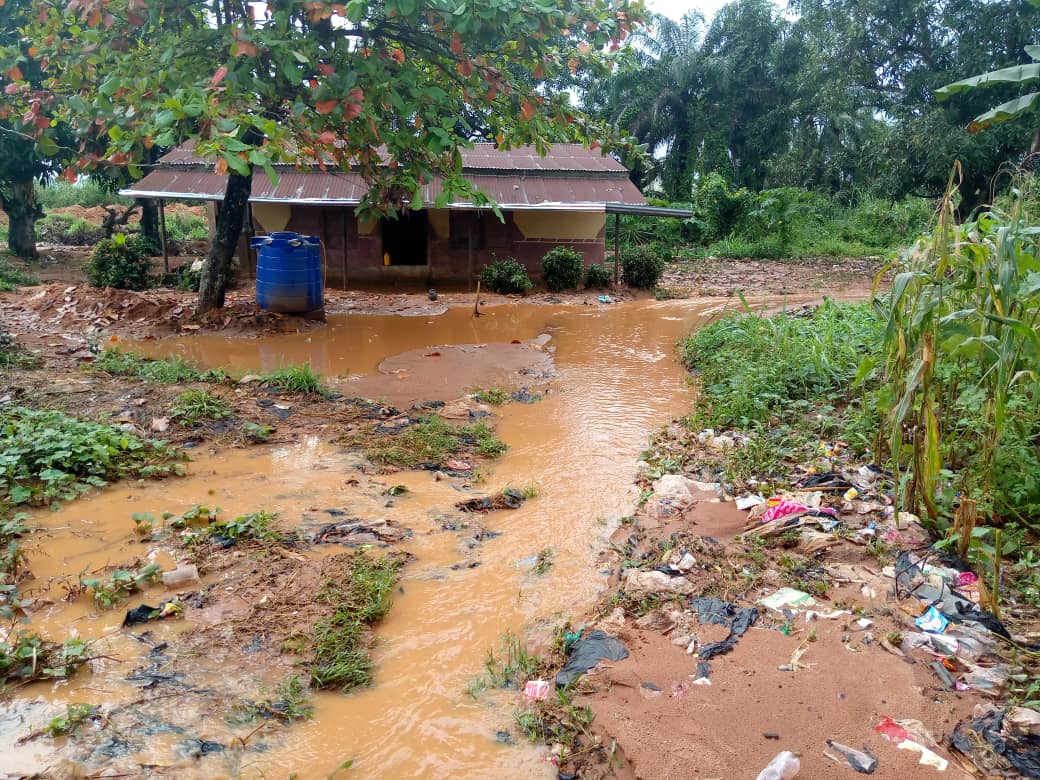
(639, 582)
(784, 766)
(786, 598)
(863, 761)
(185, 572)
(160, 424)
(510, 498)
(746, 502)
(850, 494)
(712, 610)
(145, 613)
(355, 532)
(785, 508)
(994, 742)
(943, 674)
(536, 690)
(1023, 721)
(588, 652)
(649, 690)
(605, 299)
(703, 673)
(909, 735)
(770, 735)
(933, 621)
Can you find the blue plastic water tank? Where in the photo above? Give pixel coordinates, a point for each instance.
(288, 272)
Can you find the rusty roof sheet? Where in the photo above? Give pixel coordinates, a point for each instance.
(514, 192)
(482, 157)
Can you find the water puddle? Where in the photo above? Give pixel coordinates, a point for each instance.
(614, 379)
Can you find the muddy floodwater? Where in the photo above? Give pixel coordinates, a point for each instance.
(613, 377)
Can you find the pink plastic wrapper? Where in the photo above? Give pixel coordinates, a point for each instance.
(536, 690)
(783, 509)
(966, 578)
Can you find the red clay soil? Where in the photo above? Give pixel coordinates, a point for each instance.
(665, 726)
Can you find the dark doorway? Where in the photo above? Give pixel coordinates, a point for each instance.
(404, 238)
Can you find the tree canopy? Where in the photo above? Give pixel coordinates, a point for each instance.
(391, 89)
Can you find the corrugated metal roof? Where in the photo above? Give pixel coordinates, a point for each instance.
(561, 157)
(524, 191)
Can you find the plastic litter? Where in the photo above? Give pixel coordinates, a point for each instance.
(999, 743)
(863, 761)
(785, 508)
(185, 572)
(145, 613)
(786, 598)
(909, 735)
(719, 612)
(605, 299)
(933, 621)
(639, 581)
(588, 652)
(746, 502)
(536, 690)
(784, 766)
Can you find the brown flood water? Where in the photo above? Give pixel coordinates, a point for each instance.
(616, 380)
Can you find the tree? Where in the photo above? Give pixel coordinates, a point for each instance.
(1011, 109)
(378, 87)
(890, 58)
(29, 153)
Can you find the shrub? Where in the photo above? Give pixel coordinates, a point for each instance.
(561, 268)
(186, 227)
(506, 276)
(12, 276)
(68, 231)
(643, 266)
(597, 275)
(119, 262)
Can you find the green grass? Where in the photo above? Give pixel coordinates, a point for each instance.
(514, 666)
(87, 193)
(13, 356)
(340, 647)
(193, 406)
(162, 371)
(432, 440)
(12, 276)
(296, 379)
(753, 368)
(493, 396)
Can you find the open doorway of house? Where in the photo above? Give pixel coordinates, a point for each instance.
(405, 238)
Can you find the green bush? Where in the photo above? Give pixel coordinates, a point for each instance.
(68, 231)
(561, 268)
(506, 276)
(597, 276)
(186, 227)
(119, 262)
(12, 276)
(642, 266)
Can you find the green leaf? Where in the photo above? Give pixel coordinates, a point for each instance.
(46, 146)
(1016, 74)
(236, 163)
(1005, 111)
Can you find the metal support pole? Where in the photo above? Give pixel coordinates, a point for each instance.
(162, 236)
(617, 249)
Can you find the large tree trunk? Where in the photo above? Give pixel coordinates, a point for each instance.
(150, 220)
(18, 199)
(216, 272)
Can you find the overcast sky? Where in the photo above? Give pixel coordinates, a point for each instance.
(676, 8)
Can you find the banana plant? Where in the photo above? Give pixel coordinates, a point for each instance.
(1016, 74)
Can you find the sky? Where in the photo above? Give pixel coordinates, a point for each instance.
(676, 8)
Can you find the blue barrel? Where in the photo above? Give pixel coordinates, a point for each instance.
(288, 272)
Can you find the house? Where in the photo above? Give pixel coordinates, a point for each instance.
(563, 198)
